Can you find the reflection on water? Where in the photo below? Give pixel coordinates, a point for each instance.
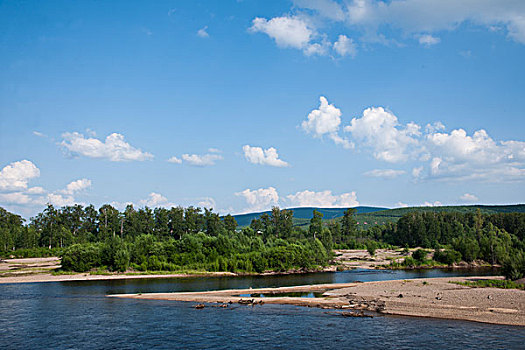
(78, 315)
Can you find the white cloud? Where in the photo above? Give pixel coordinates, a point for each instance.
(114, 148)
(39, 134)
(77, 186)
(260, 199)
(14, 189)
(469, 197)
(203, 32)
(323, 199)
(385, 173)
(428, 40)
(345, 46)
(416, 172)
(60, 200)
(15, 176)
(325, 121)
(327, 8)
(401, 205)
(175, 160)
(380, 130)
(154, 200)
(257, 155)
(18, 198)
(319, 49)
(214, 150)
(201, 160)
(291, 32)
(420, 17)
(438, 154)
(436, 126)
(434, 204)
(459, 155)
(207, 202)
(36, 190)
(286, 31)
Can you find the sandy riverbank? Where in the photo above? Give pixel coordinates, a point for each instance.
(30, 270)
(430, 297)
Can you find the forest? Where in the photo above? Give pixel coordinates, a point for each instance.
(192, 238)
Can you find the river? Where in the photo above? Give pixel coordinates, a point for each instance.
(77, 315)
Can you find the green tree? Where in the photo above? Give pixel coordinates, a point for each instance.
(316, 224)
(230, 223)
(349, 224)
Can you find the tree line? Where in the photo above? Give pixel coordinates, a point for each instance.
(195, 238)
(173, 239)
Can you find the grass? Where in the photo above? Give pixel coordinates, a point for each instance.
(412, 263)
(504, 284)
(62, 272)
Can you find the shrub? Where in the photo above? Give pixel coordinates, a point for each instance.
(81, 257)
(420, 255)
(448, 257)
(371, 247)
(121, 262)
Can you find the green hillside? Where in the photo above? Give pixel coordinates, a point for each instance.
(392, 215)
(302, 216)
(371, 216)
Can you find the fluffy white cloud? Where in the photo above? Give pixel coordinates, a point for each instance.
(203, 33)
(175, 160)
(36, 190)
(428, 40)
(345, 46)
(421, 17)
(292, 32)
(385, 173)
(15, 176)
(114, 148)
(207, 202)
(77, 186)
(434, 204)
(214, 150)
(260, 199)
(401, 205)
(325, 121)
(18, 198)
(257, 155)
(459, 155)
(59, 200)
(286, 31)
(323, 199)
(469, 197)
(439, 154)
(155, 200)
(201, 160)
(380, 130)
(14, 188)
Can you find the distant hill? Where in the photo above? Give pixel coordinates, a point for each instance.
(302, 215)
(371, 216)
(392, 215)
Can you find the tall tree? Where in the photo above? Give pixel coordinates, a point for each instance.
(316, 224)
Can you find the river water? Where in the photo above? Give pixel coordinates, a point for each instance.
(77, 315)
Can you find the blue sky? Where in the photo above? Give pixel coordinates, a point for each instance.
(261, 103)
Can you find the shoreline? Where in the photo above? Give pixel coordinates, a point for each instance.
(33, 270)
(78, 277)
(428, 297)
